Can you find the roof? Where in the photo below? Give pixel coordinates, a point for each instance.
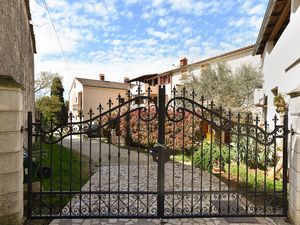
(103, 84)
(224, 55)
(30, 25)
(143, 77)
(275, 21)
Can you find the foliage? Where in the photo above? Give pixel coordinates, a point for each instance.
(145, 134)
(231, 90)
(211, 153)
(280, 104)
(67, 176)
(261, 178)
(54, 106)
(43, 83)
(253, 154)
(49, 106)
(57, 89)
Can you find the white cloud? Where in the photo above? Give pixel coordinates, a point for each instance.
(159, 34)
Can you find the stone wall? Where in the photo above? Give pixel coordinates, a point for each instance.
(17, 47)
(294, 155)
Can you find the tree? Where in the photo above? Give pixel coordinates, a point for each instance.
(230, 90)
(57, 90)
(43, 83)
(53, 106)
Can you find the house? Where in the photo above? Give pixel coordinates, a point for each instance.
(17, 48)
(173, 78)
(278, 43)
(86, 94)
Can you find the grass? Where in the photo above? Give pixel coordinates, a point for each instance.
(255, 179)
(65, 175)
(252, 182)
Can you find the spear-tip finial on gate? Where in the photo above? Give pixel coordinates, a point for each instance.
(91, 112)
(100, 107)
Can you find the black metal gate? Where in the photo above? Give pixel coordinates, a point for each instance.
(142, 159)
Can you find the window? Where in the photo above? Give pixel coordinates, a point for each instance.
(155, 81)
(76, 99)
(122, 100)
(74, 85)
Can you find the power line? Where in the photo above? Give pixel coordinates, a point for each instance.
(57, 37)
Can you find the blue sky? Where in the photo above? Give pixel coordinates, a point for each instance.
(133, 37)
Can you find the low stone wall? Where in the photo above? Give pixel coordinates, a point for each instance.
(11, 155)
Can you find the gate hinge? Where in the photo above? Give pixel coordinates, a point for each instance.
(23, 129)
(291, 131)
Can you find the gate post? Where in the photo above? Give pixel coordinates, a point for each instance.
(11, 153)
(161, 142)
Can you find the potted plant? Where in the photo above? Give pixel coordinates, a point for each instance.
(279, 102)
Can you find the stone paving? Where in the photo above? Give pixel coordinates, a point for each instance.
(198, 221)
(140, 176)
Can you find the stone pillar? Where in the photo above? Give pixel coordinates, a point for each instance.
(11, 154)
(294, 156)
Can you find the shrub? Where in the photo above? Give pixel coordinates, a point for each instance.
(179, 135)
(209, 153)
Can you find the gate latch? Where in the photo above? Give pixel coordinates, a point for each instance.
(166, 153)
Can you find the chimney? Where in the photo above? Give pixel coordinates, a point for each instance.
(126, 79)
(101, 77)
(183, 62)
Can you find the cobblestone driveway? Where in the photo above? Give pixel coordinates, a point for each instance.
(147, 174)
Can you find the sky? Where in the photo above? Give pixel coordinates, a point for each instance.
(129, 38)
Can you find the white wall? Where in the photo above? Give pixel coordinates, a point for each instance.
(276, 60)
(74, 90)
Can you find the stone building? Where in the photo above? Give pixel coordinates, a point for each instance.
(17, 48)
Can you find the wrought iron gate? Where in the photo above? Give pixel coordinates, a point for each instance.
(143, 159)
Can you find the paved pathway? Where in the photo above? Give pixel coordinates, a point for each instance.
(141, 175)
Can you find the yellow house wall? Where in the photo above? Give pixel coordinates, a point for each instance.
(93, 96)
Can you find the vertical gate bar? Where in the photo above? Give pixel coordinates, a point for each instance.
(275, 162)
(148, 148)
(210, 156)
(173, 161)
(29, 198)
(247, 160)
(70, 158)
(60, 173)
(80, 162)
(119, 150)
(229, 161)
(202, 139)
(265, 167)
(256, 165)
(90, 160)
(51, 164)
(193, 140)
(161, 141)
(100, 157)
(138, 154)
(285, 162)
(41, 162)
(128, 151)
(238, 161)
(109, 155)
(220, 168)
(182, 152)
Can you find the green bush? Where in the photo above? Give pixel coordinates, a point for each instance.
(253, 154)
(209, 154)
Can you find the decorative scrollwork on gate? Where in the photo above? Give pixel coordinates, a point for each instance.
(221, 120)
(52, 133)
